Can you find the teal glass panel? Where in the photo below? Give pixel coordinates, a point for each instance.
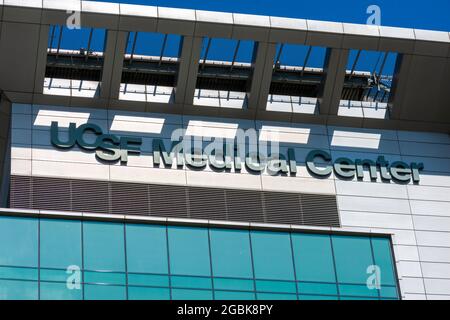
(312, 297)
(353, 255)
(233, 284)
(230, 253)
(357, 298)
(148, 280)
(233, 295)
(59, 291)
(313, 257)
(317, 288)
(143, 293)
(57, 275)
(103, 246)
(272, 255)
(103, 292)
(388, 292)
(60, 243)
(187, 294)
(146, 248)
(19, 273)
(189, 251)
(275, 286)
(357, 290)
(276, 296)
(105, 277)
(383, 259)
(18, 241)
(18, 290)
(191, 282)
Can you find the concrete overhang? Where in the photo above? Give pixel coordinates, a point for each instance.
(420, 94)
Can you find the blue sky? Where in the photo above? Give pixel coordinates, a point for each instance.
(429, 14)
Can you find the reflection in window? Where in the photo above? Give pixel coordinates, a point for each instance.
(313, 257)
(230, 253)
(272, 255)
(189, 251)
(142, 261)
(353, 255)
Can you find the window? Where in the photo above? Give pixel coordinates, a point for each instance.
(189, 251)
(230, 253)
(313, 257)
(104, 260)
(18, 242)
(272, 255)
(103, 246)
(353, 256)
(146, 249)
(60, 242)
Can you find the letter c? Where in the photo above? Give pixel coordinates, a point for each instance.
(312, 167)
(80, 136)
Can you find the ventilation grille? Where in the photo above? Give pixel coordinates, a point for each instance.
(173, 201)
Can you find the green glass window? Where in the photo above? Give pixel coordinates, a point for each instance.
(357, 290)
(317, 288)
(146, 249)
(234, 284)
(103, 246)
(143, 293)
(276, 296)
(230, 253)
(102, 292)
(191, 282)
(318, 297)
(60, 242)
(234, 295)
(59, 291)
(18, 290)
(383, 259)
(276, 286)
(313, 257)
(272, 255)
(148, 280)
(139, 261)
(353, 255)
(19, 273)
(189, 251)
(187, 294)
(18, 241)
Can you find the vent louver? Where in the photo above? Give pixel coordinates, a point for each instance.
(173, 201)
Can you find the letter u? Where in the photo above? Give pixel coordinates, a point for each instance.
(54, 132)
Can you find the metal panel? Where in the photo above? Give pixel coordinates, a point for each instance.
(207, 203)
(282, 208)
(318, 210)
(173, 201)
(90, 196)
(244, 205)
(168, 201)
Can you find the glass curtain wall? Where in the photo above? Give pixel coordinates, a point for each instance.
(70, 259)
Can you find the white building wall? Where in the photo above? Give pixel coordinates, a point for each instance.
(418, 216)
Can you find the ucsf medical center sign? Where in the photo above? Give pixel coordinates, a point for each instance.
(111, 148)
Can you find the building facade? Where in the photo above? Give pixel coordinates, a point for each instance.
(132, 176)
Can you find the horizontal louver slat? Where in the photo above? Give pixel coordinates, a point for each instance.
(173, 201)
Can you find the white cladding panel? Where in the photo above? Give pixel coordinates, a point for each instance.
(417, 216)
